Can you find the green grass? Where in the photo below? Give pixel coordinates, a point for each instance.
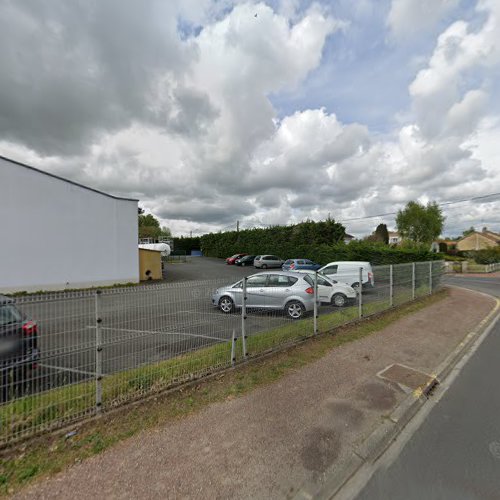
(51, 453)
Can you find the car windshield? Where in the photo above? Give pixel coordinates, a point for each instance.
(9, 314)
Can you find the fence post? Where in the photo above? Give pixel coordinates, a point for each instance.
(413, 281)
(243, 319)
(233, 348)
(98, 353)
(430, 277)
(360, 293)
(315, 302)
(391, 286)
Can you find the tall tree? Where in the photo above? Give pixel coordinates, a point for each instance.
(149, 226)
(468, 231)
(382, 234)
(420, 223)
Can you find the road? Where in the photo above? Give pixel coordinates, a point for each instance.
(455, 453)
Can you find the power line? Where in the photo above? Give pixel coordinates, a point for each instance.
(439, 204)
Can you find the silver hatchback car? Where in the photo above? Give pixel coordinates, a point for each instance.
(279, 290)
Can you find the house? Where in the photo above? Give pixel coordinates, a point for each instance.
(59, 234)
(348, 238)
(394, 238)
(478, 240)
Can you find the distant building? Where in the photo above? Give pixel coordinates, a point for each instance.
(478, 240)
(446, 245)
(58, 234)
(394, 238)
(348, 238)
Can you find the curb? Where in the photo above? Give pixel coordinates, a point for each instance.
(382, 437)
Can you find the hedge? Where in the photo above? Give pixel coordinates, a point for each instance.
(321, 242)
(485, 256)
(186, 244)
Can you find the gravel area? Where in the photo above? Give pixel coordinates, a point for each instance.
(268, 442)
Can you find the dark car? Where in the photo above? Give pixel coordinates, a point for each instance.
(299, 264)
(231, 260)
(18, 347)
(247, 260)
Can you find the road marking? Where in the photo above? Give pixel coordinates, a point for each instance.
(66, 369)
(156, 332)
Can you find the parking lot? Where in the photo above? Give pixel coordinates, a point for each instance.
(141, 325)
(127, 342)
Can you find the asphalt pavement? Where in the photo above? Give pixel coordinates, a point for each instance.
(455, 453)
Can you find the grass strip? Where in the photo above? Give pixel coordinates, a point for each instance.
(49, 454)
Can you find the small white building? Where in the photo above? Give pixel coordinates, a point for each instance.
(394, 238)
(56, 234)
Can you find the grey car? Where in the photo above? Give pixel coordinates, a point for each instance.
(267, 261)
(274, 290)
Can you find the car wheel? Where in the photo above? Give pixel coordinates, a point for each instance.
(339, 300)
(226, 304)
(295, 309)
(264, 266)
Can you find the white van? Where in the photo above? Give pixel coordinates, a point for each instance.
(348, 272)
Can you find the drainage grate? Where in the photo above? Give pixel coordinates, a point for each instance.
(409, 378)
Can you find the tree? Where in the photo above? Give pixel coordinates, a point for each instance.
(420, 223)
(382, 234)
(149, 226)
(469, 231)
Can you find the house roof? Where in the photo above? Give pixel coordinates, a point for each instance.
(393, 233)
(65, 180)
(490, 235)
(349, 236)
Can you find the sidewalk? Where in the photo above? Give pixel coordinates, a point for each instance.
(267, 443)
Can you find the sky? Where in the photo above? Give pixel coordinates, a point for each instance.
(273, 112)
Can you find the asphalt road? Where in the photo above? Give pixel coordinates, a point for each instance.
(455, 453)
(144, 324)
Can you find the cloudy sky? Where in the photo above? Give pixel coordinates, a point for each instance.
(270, 112)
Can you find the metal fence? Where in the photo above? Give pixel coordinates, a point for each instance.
(100, 349)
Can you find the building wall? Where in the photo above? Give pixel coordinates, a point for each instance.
(475, 241)
(55, 234)
(149, 260)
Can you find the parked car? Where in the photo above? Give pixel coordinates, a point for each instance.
(296, 264)
(279, 290)
(348, 272)
(267, 261)
(331, 291)
(18, 346)
(231, 260)
(247, 260)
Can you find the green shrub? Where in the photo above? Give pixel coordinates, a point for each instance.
(486, 256)
(186, 244)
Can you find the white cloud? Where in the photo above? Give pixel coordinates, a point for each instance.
(198, 140)
(408, 18)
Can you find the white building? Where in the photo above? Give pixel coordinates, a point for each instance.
(394, 238)
(55, 233)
